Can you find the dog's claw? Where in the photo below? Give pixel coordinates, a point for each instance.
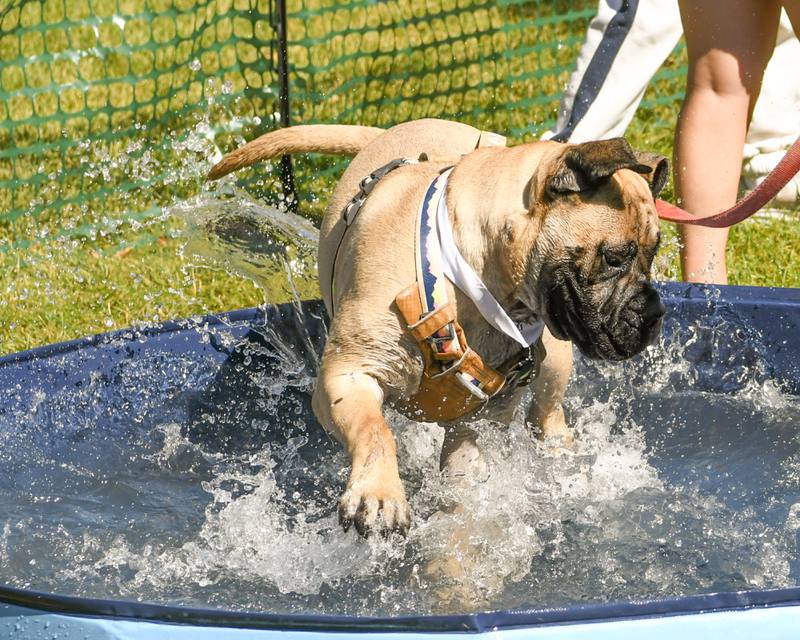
(370, 515)
(347, 513)
(402, 526)
(345, 521)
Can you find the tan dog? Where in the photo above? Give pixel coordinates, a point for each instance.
(563, 233)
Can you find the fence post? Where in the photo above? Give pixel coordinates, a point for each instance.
(287, 172)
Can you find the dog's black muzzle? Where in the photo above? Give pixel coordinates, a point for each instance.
(616, 326)
(652, 316)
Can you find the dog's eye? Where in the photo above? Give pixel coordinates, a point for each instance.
(619, 256)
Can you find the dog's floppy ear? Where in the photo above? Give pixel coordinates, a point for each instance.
(586, 165)
(659, 170)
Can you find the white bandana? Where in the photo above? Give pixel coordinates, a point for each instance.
(463, 276)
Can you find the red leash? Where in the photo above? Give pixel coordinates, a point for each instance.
(747, 206)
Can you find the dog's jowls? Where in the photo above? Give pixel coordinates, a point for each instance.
(564, 233)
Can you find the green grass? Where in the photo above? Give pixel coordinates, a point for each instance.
(761, 252)
(59, 293)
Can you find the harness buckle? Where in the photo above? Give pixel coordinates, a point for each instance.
(366, 186)
(352, 209)
(453, 367)
(368, 183)
(451, 336)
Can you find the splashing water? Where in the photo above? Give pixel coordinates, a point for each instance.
(230, 230)
(101, 231)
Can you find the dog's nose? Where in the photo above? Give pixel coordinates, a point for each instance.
(654, 309)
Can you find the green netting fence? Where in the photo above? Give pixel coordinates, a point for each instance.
(112, 109)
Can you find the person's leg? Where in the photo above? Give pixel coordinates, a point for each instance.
(729, 44)
(775, 124)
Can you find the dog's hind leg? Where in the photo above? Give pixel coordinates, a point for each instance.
(461, 457)
(347, 402)
(458, 533)
(546, 412)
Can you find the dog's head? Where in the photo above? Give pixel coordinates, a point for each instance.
(597, 232)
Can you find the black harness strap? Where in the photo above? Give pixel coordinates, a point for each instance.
(355, 205)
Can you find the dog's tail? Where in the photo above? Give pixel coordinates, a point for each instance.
(335, 139)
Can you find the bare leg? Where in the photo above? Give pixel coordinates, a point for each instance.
(546, 413)
(347, 402)
(729, 44)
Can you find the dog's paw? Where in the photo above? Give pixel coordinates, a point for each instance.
(560, 442)
(555, 432)
(375, 508)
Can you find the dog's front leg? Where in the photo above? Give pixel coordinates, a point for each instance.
(348, 405)
(546, 412)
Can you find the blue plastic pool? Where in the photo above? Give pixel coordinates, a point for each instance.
(125, 459)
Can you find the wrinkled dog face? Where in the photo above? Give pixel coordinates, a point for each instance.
(594, 257)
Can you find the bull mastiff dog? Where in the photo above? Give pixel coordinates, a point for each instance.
(556, 241)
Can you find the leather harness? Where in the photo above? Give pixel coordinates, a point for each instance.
(455, 381)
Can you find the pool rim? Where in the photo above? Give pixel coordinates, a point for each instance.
(475, 622)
